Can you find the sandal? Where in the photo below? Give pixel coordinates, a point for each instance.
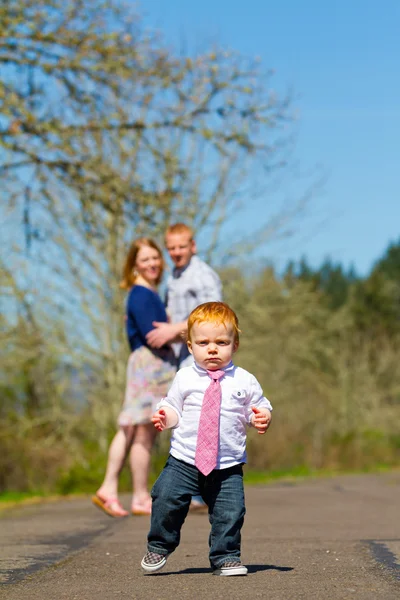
(111, 506)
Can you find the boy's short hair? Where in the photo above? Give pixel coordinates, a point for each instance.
(214, 312)
(179, 228)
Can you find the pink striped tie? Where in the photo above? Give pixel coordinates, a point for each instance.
(208, 433)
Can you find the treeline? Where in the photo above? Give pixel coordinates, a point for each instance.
(325, 344)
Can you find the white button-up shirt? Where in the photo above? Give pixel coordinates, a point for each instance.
(240, 392)
(188, 287)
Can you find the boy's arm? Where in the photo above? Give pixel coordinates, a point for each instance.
(165, 418)
(259, 413)
(169, 409)
(261, 419)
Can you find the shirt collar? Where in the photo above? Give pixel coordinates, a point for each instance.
(177, 271)
(202, 371)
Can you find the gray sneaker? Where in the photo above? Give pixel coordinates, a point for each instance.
(152, 561)
(231, 567)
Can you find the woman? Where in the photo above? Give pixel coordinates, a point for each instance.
(149, 375)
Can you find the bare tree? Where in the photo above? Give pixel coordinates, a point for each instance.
(129, 127)
(106, 134)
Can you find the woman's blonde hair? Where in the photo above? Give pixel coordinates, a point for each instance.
(214, 312)
(128, 274)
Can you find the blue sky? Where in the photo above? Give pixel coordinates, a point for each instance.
(342, 59)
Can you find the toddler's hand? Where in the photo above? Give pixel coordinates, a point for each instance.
(159, 420)
(261, 419)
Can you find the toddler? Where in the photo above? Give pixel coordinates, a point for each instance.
(209, 405)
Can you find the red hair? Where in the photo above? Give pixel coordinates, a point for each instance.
(214, 312)
(179, 228)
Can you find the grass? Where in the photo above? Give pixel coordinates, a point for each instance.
(304, 472)
(11, 499)
(251, 477)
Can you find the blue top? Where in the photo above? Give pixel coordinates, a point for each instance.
(143, 307)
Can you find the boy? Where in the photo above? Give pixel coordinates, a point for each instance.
(209, 405)
(192, 282)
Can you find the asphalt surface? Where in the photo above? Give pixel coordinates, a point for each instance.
(336, 538)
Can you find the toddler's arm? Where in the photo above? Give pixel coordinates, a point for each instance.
(164, 418)
(261, 419)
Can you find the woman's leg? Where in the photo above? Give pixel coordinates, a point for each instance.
(117, 453)
(140, 460)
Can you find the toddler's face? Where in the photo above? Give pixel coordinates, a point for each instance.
(212, 345)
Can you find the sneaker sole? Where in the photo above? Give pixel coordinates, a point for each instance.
(153, 568)
(231, 571)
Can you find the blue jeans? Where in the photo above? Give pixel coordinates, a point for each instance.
(223, 492)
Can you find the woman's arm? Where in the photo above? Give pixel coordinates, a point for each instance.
(145, 307)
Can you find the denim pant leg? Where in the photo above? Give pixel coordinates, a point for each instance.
(171, 494)
(224, 493)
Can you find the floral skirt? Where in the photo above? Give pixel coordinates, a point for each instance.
(148, 379)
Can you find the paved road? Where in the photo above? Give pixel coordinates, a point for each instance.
(321, 539)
